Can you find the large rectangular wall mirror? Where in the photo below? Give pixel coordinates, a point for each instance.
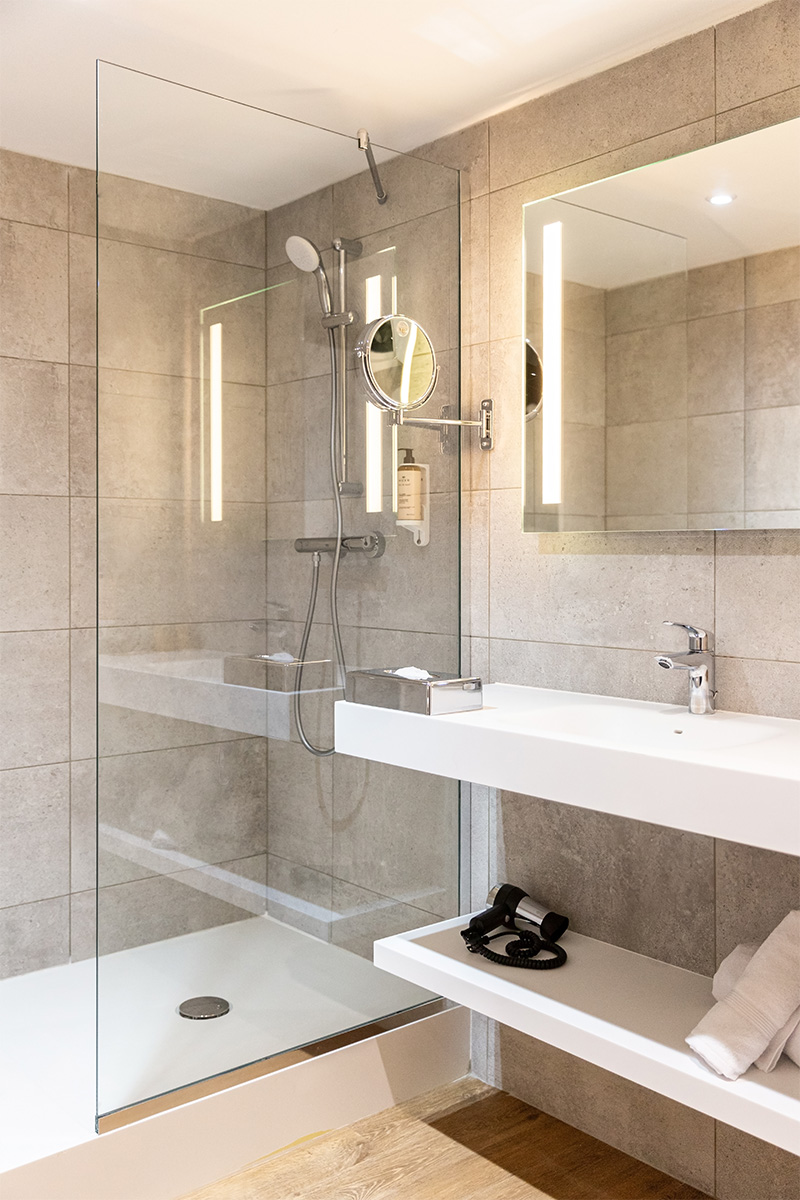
(661, 377)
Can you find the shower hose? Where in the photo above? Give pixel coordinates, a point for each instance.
(323, 752)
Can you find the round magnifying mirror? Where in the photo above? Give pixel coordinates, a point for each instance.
(398, 365)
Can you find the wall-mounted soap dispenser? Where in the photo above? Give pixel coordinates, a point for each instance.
(413, 497)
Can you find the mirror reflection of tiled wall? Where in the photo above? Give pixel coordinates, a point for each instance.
(680, 400)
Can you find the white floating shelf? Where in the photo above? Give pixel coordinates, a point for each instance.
(621, 1011)
(727, 775)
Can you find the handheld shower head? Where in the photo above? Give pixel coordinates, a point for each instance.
(303, 253)
(306, 257)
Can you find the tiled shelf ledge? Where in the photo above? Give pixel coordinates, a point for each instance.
(621, 1011)
(728, 775)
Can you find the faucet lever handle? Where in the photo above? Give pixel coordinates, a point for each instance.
(698, 638)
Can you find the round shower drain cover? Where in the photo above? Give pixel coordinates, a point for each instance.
(200, 1008)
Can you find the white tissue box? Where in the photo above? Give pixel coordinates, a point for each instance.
(384, 688)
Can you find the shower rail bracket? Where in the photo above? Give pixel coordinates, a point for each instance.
(485, 424)
(338, 320)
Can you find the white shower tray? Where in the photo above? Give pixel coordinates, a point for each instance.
(621, 1011)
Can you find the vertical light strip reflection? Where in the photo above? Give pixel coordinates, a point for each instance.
(215, 418)
(551, 366)
(374, 439)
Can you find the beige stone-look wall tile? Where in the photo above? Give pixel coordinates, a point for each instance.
(715, 289)
(299, 896)
(151, 444)
(34, 429)
(715, 364)
(646, 375)
(772, 278)
(33, 190)
(34, 848)
(409, 859)
(756, 54)
(608, 590)
(669, 1136)
(668, 88)
(772, 459)
(150, 312)
(755, 889)
(146, 214)
(757, 589)
(772, 335)
(82, 200)
(749, 1169)
(148, 910)
(644, 887)
(475, 386)
(414, 188)
(160, 564)
(506, 377)
(476, 566)
(716, 474)
(34, 552)
(84, 300)
(660, 301)
(34, 698)
(83, 562)
(772, 110)
(647, 468)
(217, 808)
(361, 917)
(83, 825)
(82, 431)
(467, 151)
(298, 440)
(34, 936)
(33, 292)
(310, 217)
(83, 692)
(597, 670)
(475, 271)
(300, 790)
(297, 344)
(753, 685)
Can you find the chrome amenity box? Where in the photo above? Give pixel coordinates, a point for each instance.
(384, 688)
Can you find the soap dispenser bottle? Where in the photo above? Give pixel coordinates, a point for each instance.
(413, 497)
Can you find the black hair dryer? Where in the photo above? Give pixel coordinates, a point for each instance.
(511, 907)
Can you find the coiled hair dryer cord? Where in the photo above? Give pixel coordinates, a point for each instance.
(510, 905)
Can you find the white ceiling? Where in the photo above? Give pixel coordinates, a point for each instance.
(409, 71)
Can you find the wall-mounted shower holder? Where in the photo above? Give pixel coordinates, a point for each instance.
(485, 424)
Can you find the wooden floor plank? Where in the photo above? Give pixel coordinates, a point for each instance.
(465, 1141)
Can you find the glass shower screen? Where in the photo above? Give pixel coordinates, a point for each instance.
(233, 863)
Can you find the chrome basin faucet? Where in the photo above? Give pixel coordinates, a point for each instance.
(699, 662)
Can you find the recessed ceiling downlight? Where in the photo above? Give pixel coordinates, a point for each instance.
(721, 198)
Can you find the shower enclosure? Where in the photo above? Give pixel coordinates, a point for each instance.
(241, 473)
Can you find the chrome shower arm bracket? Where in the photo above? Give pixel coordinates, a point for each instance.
(364, 144)
(485, 424)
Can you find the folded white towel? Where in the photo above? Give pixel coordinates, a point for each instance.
(739, 1028)
(787, 1040)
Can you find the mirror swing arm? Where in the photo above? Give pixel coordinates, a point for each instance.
(485, 423)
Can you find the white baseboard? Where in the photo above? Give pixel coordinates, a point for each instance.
(164, 1157)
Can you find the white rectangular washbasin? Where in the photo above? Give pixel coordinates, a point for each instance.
(727, 775)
